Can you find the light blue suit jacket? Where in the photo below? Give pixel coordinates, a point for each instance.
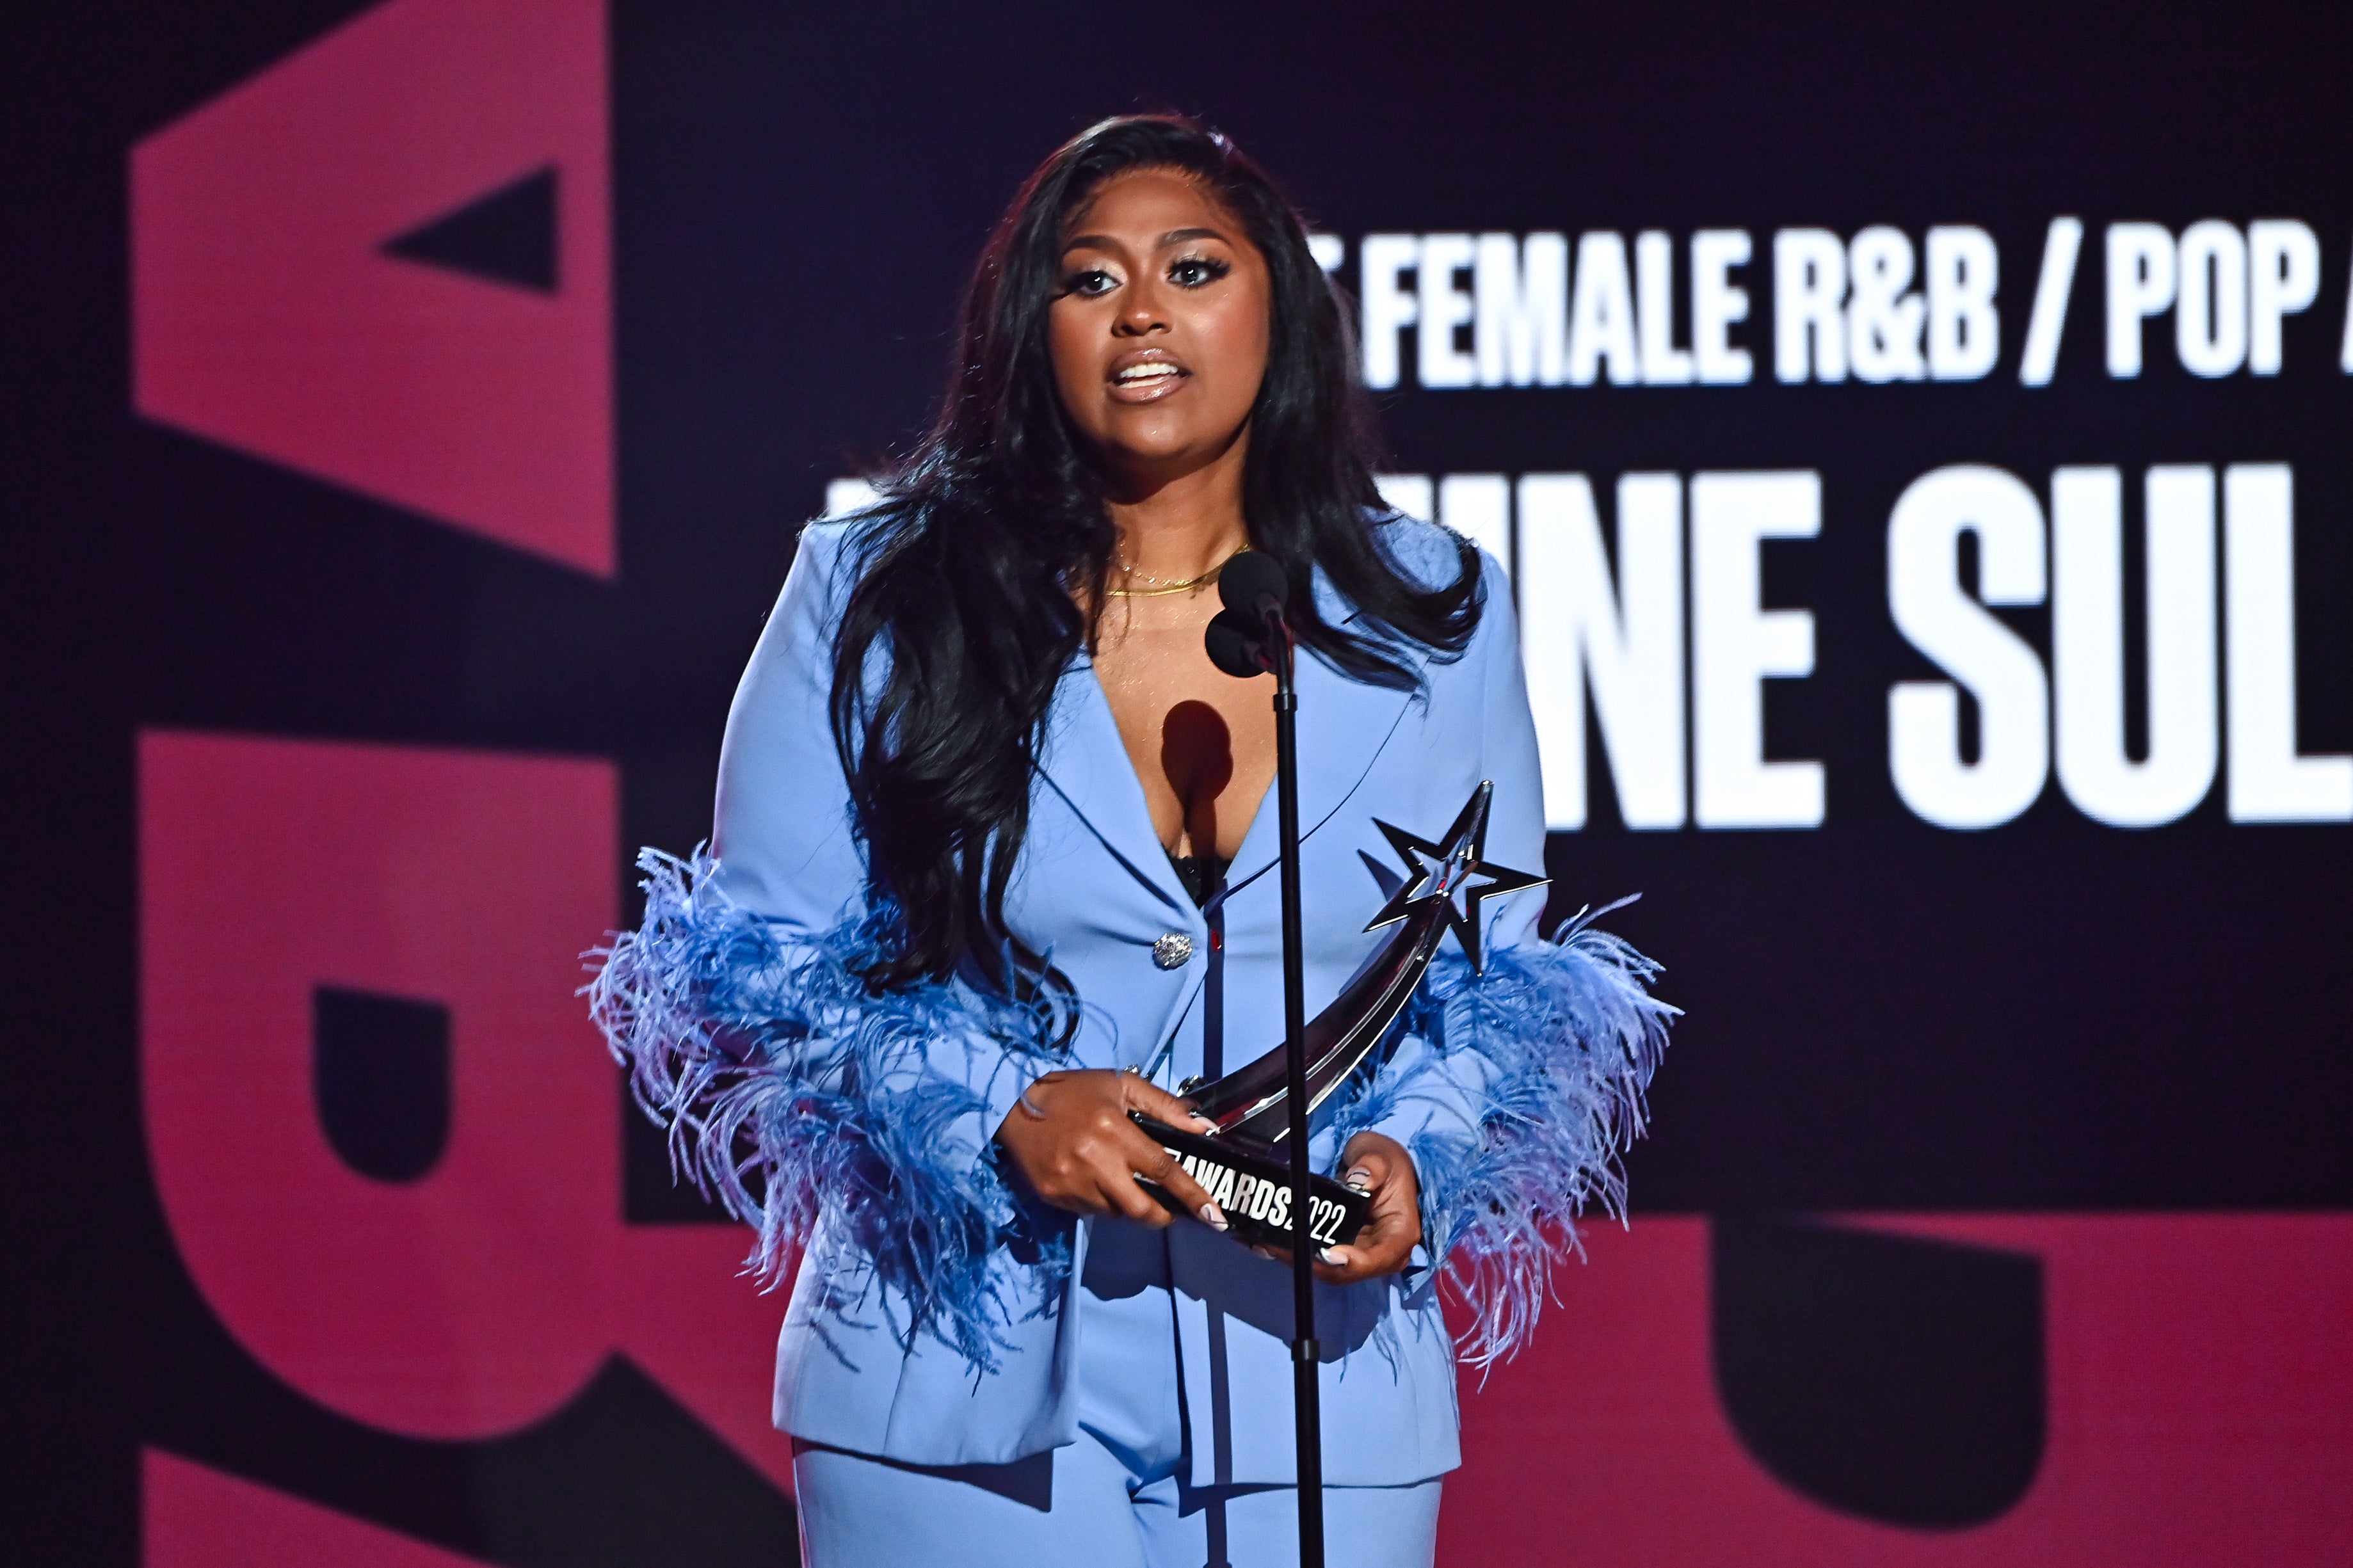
(1094, 890)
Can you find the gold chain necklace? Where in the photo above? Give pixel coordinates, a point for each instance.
(1166, 587)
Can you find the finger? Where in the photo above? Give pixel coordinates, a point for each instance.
(1353, 1261)
(1383, 1247)
(1357, 1261)
(1400, 1217)
(1157, 1102)
(1396, 1195)
(1367, 1258)
(1383, 1159)
(1126, 1195)
(1155, 1164)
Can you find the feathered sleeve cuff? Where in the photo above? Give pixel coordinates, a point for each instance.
(1517, 1091)
(810, 1107)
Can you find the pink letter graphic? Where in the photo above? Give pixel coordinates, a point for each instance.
(481, 1297)
(266, 316)
(198, 1518)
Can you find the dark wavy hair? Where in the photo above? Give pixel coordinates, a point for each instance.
(972, 571)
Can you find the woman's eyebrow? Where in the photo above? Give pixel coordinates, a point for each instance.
(1174, 237)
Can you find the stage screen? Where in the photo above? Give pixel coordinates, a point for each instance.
(1918, 444)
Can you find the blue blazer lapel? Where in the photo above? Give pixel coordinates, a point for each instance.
(1084, 761)
(1343, 726)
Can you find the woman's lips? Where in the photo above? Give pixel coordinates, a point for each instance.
(1145, 378)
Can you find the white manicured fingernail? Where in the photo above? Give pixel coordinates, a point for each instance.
(1360, 1180)
(1215, 1218)
(1337, 1257)
(1204, 1123)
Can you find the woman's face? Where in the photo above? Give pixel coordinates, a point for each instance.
(1159, 332)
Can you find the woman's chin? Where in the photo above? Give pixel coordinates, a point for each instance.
(1162, 448)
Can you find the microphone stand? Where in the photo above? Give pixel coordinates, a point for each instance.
(1250, 637)
(1307, 1392)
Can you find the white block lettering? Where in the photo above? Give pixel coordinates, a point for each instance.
(1520, 290)
(2283, 279)
(1738, 646)
(2269, 781)
(1409, 494)
(2087, 637)
(1628, 646)
(2140, 285)
(1445, 306)
(1717, 304)
(1601, 313)
(1808, 287)
(2060, 249)
(1884, 317)
(1934, 610)
(1663, 364)
(843, 497)
(2210, 308)
(1389, 308)
(1963, 329)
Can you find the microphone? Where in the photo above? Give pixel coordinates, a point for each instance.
(1252, 584)
(1238, 637)
(1237, 646)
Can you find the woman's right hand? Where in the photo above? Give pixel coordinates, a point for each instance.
(1072, 1139)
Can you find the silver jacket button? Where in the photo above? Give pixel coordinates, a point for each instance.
(1172, 949)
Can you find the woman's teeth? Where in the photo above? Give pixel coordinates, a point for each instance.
(1136, 375)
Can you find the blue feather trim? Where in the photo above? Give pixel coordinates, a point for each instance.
(814, 1109)
(1527, 1082)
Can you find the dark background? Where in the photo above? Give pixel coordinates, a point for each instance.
(2053, 1015)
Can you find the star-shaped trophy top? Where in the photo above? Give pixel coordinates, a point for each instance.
(1445, 879)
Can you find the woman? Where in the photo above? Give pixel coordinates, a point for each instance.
(990, 871)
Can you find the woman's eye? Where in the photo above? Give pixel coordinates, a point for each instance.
(1192, 271)
(1090, 284)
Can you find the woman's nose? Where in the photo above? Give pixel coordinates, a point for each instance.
(1140, 312)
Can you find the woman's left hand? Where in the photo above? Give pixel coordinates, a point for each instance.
(1386, 1244)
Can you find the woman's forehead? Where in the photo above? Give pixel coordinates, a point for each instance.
(1146, 204)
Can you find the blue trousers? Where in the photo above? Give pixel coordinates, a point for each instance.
(1116, 1497)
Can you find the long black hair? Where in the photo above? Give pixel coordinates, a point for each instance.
(973, 569)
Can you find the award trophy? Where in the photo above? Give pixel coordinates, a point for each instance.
(1245, 1164)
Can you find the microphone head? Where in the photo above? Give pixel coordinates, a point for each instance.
(1249, 580)
(1236, 644)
